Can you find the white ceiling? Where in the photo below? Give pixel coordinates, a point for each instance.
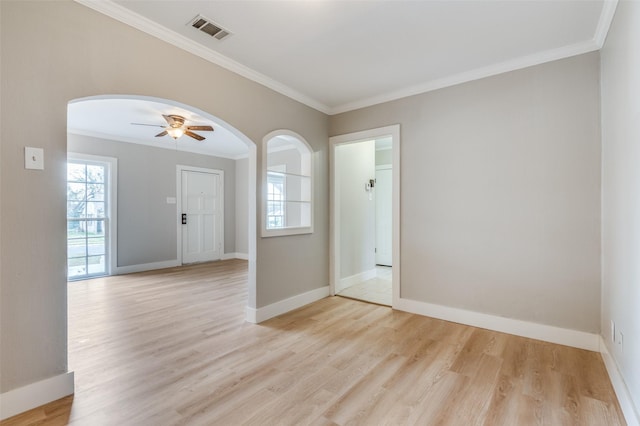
(341, 55)
(111, 118)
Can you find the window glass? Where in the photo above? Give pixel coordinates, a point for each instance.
(287, 165)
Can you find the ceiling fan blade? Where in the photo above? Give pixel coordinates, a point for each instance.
(161, 134)
(169, 119)
(143, 124)
(201, 128)
(194, 135)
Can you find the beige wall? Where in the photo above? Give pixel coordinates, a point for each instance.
(147, 230)
(500, 193)
(621, 192)
(65, 52)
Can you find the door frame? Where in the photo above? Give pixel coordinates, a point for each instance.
(179, 169)
(392, 131)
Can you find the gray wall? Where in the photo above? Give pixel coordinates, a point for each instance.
(242, 207)
(620, 191)
(500, 193)
(67, 52)
(355, 165)
(147, 230)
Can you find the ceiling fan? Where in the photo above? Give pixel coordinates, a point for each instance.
(176, 128)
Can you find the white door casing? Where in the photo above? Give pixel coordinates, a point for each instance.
(202, 203)
(334, 240)
(384, 234)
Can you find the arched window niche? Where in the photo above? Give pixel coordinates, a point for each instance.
(287, 182)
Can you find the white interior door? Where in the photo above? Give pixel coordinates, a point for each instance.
(383, 216)
(202, 203)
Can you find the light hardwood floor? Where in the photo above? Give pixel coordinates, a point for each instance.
(171, 348)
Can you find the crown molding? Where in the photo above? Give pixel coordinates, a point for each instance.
(126, 16)
(476, 74)
(604, 23)
(141, 23)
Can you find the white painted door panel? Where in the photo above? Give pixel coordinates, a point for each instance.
(201, 201)
(383, 217)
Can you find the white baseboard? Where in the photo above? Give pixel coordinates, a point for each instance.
(631, 414)
(266, 312)
(547, 333)
(243, 256)
(146, 267)
(356, 279)
(19, 400)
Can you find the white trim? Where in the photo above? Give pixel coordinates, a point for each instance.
(182, 168)
(356, 279)
(23, 399)
(148, 26)
(476, 74)
(334, 208)
(142, 267)
(112, 205)
(265, 233)
(604, 23)
(631, 414)
(547, 333)
(282, 307)
(243, 256)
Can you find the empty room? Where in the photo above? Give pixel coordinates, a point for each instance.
(190, 189)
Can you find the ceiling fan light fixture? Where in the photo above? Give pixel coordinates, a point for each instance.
(175, 132)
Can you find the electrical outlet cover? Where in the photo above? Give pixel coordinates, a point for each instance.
(33, 158)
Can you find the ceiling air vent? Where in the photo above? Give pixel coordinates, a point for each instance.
(208, 27)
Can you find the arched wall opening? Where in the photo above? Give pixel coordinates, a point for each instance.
(94, 120)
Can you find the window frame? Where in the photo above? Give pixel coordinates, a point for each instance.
(293, 230)
(110, 208)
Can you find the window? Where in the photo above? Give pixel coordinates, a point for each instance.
(88, 206)
(276, 195)
(288, 185)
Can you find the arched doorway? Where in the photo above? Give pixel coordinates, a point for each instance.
(107, 116)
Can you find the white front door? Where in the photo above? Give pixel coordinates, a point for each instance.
(383, 217)
(202, 196)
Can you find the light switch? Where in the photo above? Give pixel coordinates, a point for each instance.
(33, 158)
(171, 200)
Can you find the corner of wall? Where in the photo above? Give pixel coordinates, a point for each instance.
(631, 414)
(23, 399)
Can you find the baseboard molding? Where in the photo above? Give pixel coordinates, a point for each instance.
(631, 414)
(23, 399)
(146, 267)
(243, 256)
(356, 279)
(547, 333)
(282, 307)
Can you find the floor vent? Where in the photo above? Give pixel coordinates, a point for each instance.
(208, 27)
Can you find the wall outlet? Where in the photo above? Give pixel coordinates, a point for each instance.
(613, 331)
